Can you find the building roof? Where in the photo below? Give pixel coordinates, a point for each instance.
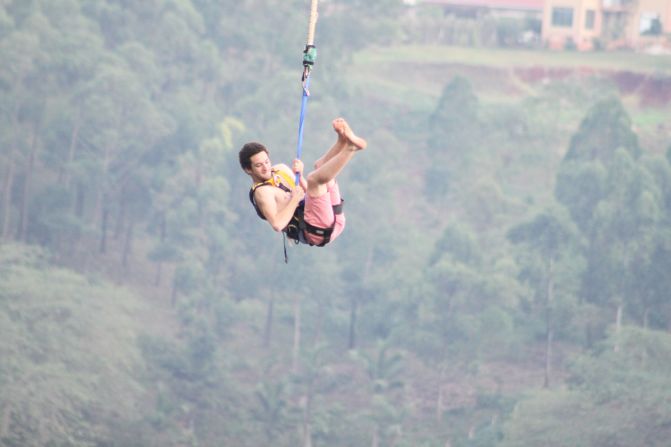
(517, 5)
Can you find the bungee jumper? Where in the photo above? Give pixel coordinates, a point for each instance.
(308, 210)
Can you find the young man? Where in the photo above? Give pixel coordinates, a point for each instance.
(320, 220)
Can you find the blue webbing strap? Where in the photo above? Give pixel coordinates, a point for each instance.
(299, 147)
(304, 104)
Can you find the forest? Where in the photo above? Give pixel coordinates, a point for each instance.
(503, 279)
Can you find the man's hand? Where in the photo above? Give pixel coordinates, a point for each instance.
(297, 167)
(297, 194)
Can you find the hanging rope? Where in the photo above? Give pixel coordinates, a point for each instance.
(309, 57)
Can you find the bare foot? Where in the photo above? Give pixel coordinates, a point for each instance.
(345, 133)
(338, 127)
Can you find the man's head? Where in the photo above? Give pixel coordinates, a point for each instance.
(247, 152)
(254, 160)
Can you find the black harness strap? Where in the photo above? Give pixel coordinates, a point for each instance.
(297, 225)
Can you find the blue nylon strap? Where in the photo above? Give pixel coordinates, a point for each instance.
(304, 106)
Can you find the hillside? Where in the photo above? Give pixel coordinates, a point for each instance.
(500, 74)
(505, 262)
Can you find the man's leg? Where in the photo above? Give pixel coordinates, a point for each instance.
(330, 165)
(339, 145)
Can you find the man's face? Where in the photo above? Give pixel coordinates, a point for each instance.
(261, 167)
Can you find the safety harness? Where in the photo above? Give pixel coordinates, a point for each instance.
(297, 226)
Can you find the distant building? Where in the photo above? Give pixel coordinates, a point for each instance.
(587, 24)
(512, 7)
(582, 24)
(571, 23)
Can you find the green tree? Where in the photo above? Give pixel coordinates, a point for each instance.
(606, 127)
(458, 298)
(312, 384)
(613, 398)
(358, 24)
(19, 75)
(453, 134)
(463, 314)
(455, 118)
(580, 181)
(119, 138)
(614, 201)
(56, 387)
(385, 373)
(621, 236)
(373, 251)
(272, 409)
(194, 217)
(653, 307)
(551, 237)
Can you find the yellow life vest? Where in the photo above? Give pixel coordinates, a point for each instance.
(275, 179)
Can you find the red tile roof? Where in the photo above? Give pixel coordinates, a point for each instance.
(527, 5)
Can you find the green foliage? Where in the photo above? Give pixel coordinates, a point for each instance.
(383, 370)
(272, 405)
(453, 134)
(120, 122)
(618, 203)
(606, 128)
(459, 243)
(616, 398)
(620, 240)
(68, 346)
(580, 186)
(455, 119)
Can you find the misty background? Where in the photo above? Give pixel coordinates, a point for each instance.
(503, 279)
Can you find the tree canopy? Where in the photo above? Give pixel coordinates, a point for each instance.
(504, 269)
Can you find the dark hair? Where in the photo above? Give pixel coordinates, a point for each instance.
(248, 151)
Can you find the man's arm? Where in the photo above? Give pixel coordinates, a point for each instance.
(277, 218)
(298, 169)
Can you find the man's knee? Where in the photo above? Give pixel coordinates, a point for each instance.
(313, 179)
(317, 186)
